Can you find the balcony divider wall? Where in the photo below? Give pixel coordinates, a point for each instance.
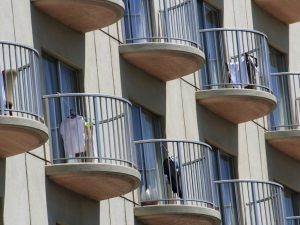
(284, 133)
(91, 144)
(235, 82)
(161, 37)
(21, 115)
(175, 174)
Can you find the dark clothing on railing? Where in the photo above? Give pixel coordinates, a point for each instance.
(173, 175)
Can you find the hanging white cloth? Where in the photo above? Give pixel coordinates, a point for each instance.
(73, 134)
(3, 95)
(238, 73)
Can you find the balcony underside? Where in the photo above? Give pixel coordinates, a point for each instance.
(237, 105)
(93, 180)
(176, 215)
(287, 142)
(286, 11)
(166, 61)
(83, 15)
(18, 135)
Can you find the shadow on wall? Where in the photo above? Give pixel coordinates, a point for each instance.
(277, 31)
(67, 207)
(57, 40)
(217, 131)
(143, 89)
(282, 168)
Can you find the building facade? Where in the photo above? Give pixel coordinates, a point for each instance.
(143, 112)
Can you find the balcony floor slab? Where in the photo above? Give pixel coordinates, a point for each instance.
(177, 215)
(237, 105)
(83, 15)
(286, 11)
(19, 135)
(94, 180)
(287, 141)
(165, 61)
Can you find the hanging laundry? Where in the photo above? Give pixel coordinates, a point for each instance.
(238, 73)
(173, 174)
(73, 134)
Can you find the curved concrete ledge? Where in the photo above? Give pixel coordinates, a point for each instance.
(177, 215)
(19, 135)
(94, 180)
(83, 15)
(287, 141)
(166, 61)
(237, 105)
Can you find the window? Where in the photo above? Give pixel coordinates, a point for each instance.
(292, 205)
(137, 20)
(280, 89)
(223, 169)
(59, 78)
(146, 126)
(210, 18)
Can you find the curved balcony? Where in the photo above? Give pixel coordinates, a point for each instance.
(284, 133)
(251, 202)
(22, 125)
(235, 80)
(83, 15)
(91, 145)
(161, 37)
(176, 185)
(285, 11)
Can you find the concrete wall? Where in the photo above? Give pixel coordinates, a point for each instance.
(29, 198)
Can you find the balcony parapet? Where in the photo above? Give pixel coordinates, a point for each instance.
(176, 185)
(235, 81)
(284, 133)
(91, 144)
(285, 11)
(251, 202)
(164, 41)
(22, 125)
(83, 15)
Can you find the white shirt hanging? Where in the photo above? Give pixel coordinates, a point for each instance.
(73, 134)
(238, 73)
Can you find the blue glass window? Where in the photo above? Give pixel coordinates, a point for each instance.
(137, 20)
(59, 78)
(282, 114)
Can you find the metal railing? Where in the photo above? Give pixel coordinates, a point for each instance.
(19, 81)
(175, 172)
(90, 128)
(251, 202)
(286, 87)
(161, 21)
(293, 220)
(235, 58)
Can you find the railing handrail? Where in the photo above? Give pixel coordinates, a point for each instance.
(183, 165)
(58, 95)
(285, 73)
(233, 29)
(162, 21)
(19, 45)
(248, 181)
(292, 218)
(171, 140)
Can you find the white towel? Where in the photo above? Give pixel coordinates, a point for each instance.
(238, 73)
